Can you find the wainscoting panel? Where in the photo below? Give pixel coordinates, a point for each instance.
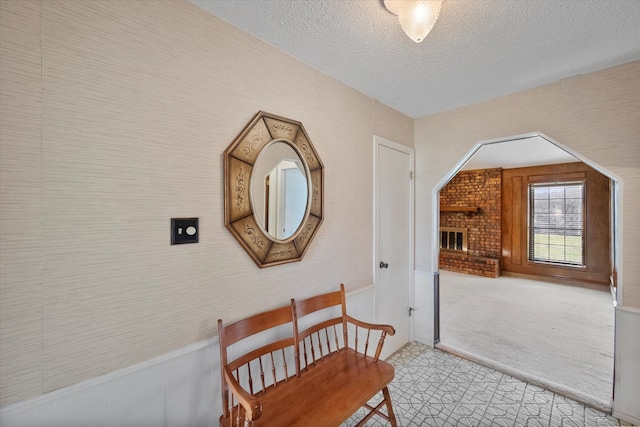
(83, 407)
(626, 405)
(139, 399)
(424, 304)
(189, 393)
(176, 389)
(180, 388)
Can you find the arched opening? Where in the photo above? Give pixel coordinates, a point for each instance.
(521, 151)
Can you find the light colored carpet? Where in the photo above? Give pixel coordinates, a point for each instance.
(556, 335)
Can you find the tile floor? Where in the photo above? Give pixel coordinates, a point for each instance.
(434, 388)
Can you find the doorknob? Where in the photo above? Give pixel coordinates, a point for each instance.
(384, 264)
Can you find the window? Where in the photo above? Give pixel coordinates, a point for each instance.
(556, 223)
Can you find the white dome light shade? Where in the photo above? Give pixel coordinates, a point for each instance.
(393, 6)
(417, 17)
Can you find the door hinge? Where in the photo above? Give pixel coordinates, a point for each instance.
(410, 174)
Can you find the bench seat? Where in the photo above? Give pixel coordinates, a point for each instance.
(324, 394)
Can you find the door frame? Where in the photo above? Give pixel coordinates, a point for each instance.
(377, 142)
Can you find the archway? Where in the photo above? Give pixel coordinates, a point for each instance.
(543, 146)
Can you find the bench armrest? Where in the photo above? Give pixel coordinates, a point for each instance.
(390, 330)
(251, 405)
(384, 329)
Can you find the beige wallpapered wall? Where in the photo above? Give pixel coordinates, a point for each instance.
(596, 115)
(114, 118)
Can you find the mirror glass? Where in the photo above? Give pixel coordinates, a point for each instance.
(279, 190)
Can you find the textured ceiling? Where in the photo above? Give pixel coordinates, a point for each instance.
(478, 49)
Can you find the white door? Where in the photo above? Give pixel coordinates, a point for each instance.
(393, 239)
(295, 189)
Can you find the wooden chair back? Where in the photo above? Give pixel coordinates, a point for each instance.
(259, 369)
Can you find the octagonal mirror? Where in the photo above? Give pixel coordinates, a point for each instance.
(273, 190)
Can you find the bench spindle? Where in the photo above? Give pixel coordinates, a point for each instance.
(284, 365)
(356, 342)
(313, 349)
(235, 409)
(273, 370)
(366, 344)
(380, 344)
(262, 375)
(250, 377)
(304, 350)
(326, 333)
(320, 345)
(239, 418)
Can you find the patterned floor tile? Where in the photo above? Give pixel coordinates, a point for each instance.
(486, 375)
(437, 389)
(595, 418)
(501, 414)
(534, 414)
(467, 415)
(535, 394)
(449, 393)
(435, 415)
(509, 392)
(566, 412)
(479, 393)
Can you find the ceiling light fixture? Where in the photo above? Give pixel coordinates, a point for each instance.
(416, 17)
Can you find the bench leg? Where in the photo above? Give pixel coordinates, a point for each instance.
(376, 410)
(387, 398)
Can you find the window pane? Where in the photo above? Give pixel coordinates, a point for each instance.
(574, 222)
(541, 206)
(574, 206)
(573, 192)
(541, 192)
(556, 193)
(556, 223)
(541, 239)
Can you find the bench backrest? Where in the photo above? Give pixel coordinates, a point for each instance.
(332, 330)
(322, 337)
(256, 369)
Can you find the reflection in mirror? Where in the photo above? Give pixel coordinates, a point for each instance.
(279, 190)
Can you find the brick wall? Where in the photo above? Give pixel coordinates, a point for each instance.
(481, 189)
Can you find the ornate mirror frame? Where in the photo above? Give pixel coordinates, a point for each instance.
(239, 218)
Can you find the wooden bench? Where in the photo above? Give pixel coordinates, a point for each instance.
(306, 364)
